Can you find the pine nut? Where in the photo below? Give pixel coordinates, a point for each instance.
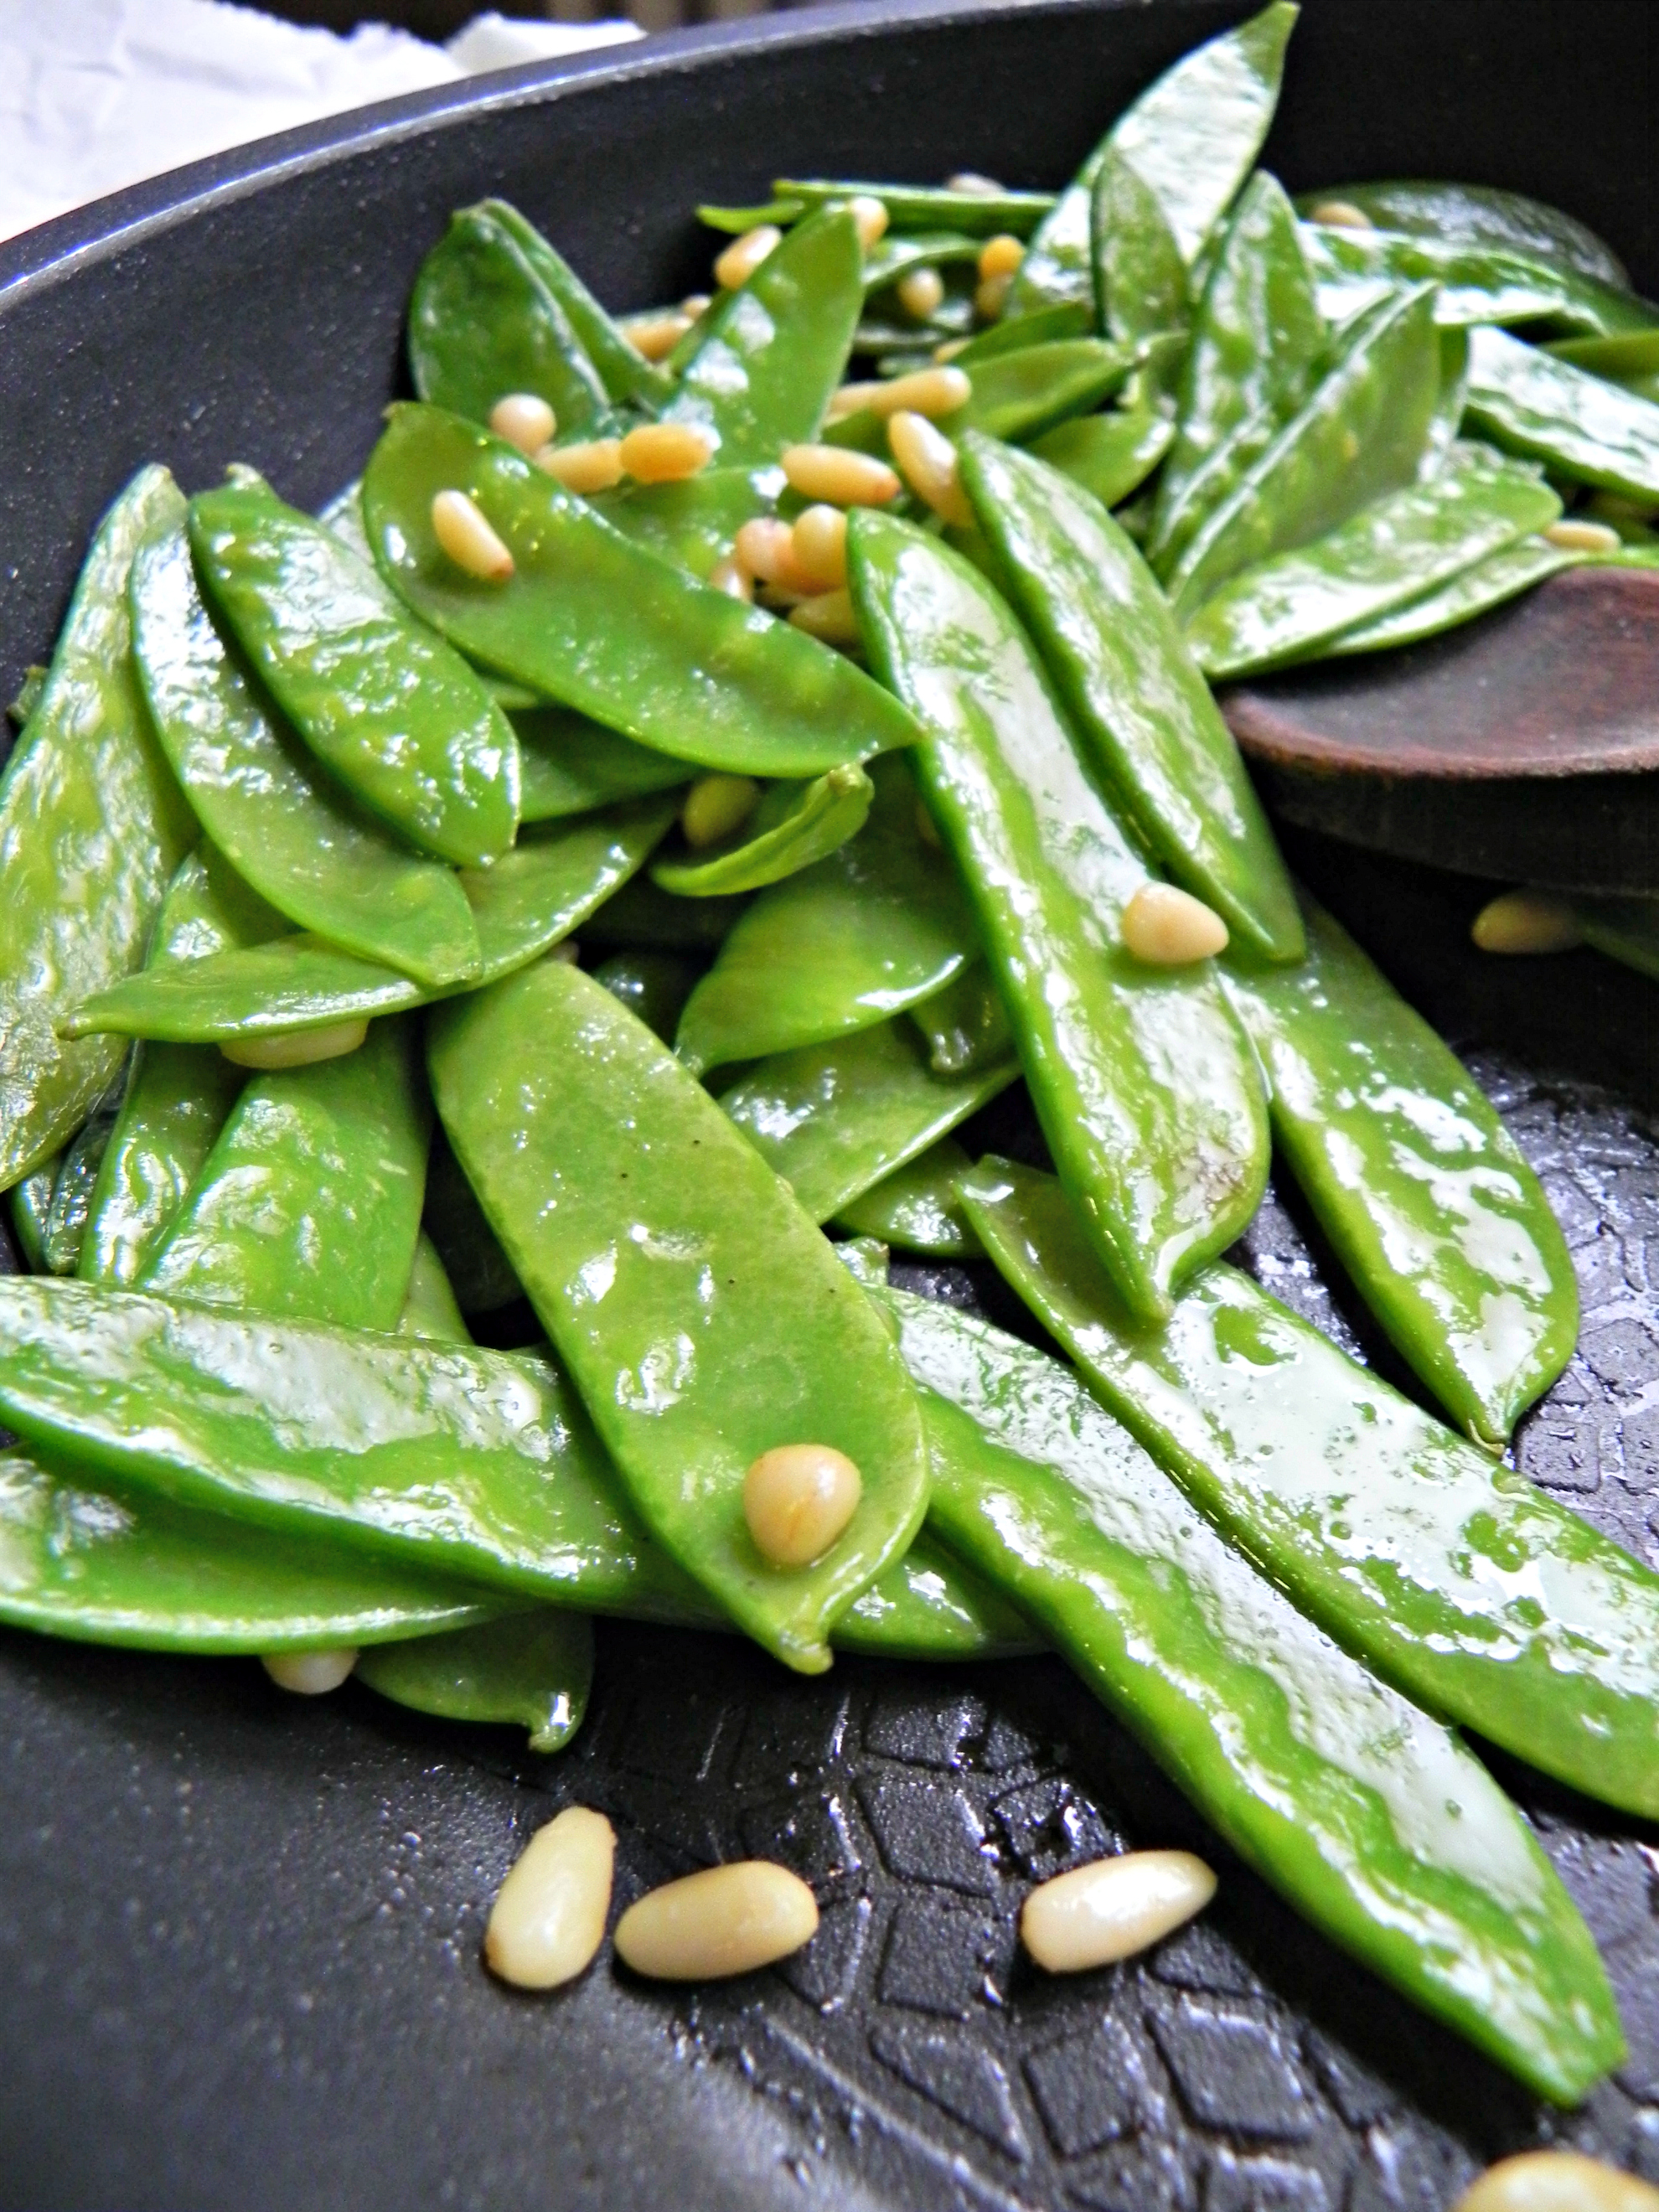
(921, 292)
(1112, 1909)
(828, 616)
(930, 391)
(309, 1673)
(1527, 921)
(817, 548)
(524, 420)
(295, 1048)
(716, 807)
(798, 1498)
(736, 583)
(462, 532)
(594, 465)
(849, 399)
(725, 1920)
(841, 477)
(950, 348)
(744, 255)
(1000, 256)
(927, 460)
(991, 297)
(566, 953)
(1341, 215)
(656, 336)
(1556, 2181)
(548, 1920)
(765, 550)
(871, 218)
(1169, 929)
(696, 305)
(1574, 536)
(665, 452)
(970, 180)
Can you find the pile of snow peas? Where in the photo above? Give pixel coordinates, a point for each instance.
(862, 727)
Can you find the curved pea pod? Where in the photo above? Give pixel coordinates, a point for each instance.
(1135, 693)
(692, 522)
(1418, 1185)
(532, 1668)
(1142, 1080)
(1363, 432)
(835, 1119)
(929, 1606)
(390, 709)
(1476, 284)
(964, 1025)
(266, 807)
(1370, 1817)
(911, 207)
(1110, 455)
(430, 1308)
(1070, 319)
(1391, 551)
(599, 623)
(717, 1325)
(1141, 275)
(1471, 591)
(92, 827)
(880, 926)
(628, 378)
(483, 323)
(1019, 395)
(1458, 1580)
(1627, 359)
(654, 986)
(916, 1207)
(1531, 403)
(1457, 215)
(569, 765)
(792, 828)
(933, 247)
(30, 1210)
(65, 1225)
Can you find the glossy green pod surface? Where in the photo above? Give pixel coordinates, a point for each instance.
(793, 827)
(1019, 395)
(930, 1606)
(430, 1308)
(532, 1668)
(916, 1207)
(1141, 285)
(692, 520)
(1487, 584)
(1459, 215)
(74, 1184)
(30, 1210)
(1581, 426)
(965, 1024)
(627, 376)
(1475, 286)
(1110, 455)
(920, 207)
(569, 765)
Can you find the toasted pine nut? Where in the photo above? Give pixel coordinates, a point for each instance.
(1574, 536)
(950, 348)
(765, 549)
(930, 391)
(817, 548)
(310, 1673)
(970, 180)
(926, 828)
(594, 465)
(656, 336)
(725, 1920)
(525, 420)
(848, 399)
(1112, 1909)
(991, 297)
(871, 218)
(797, 1499)
(1169, 927)
(1000, 256)
(462, 532)
(665, 453)
(295, 1048)
(1341, 215)
(829, 617)
(927, 460)
(1527, 921)
(548, 1920)
(1556, 2181)
(716, 806)
(736, 583)
(696, 304)
(921, 292)
(836, 473)
(744, 255)
(566, 953)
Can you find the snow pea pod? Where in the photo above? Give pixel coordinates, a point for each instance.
(1477, 285)
(1071, 319)
(569, 765)
(1624, 359)
(899, 252)
(534, 1670)
(629, 378)
(1141, 277)
(1472, 1590)
(1109, 455)
(1418, 1185)
(1019, 395)
(1368, 1816)
(430, 1308)
(1143, 1082)
(1579, 425)
(880, 926)
(92, 827)
(1134, 692)
(74, 1184)
(693, 522)
(835, 1119)
(964, 1025)
(794, 826)
(1487, 584)
(920, 207)
(30, 1210)
(1456, 215)
(916, 1207)
(599, 623)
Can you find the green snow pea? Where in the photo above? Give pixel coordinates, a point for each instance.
(1019, 395)
(1624, 359)
(1368, 1816)
(964, 1025)
(31, 1209)
(430, 1308)
(1141, 277)
(916, 1207)
(604, 625)
(1487, 584)
(1071, 319)
(716, 1324)
(1136, 697)
(1391, 552)
(390, 709)
(1471, 1589)
(569, 765)
(692, 522)
(1450, 401)
(92, 827)
(310, 1201)
(629, 378)
(274, 814)
(929, 1606)
(835, 1119)
(1144, 1083)
(1477, 284)
(478, 1272)
(654, 986)
(1109, 455)
(880, 926)
(1575, 424)
(899, 252)
(73, 1187)
(914, 207)
(1478, 216)
(794, 826)
(532, 1668)
(1625, 929)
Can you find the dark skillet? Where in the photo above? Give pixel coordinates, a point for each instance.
(239, 1934)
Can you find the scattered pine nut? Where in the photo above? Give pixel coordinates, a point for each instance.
(798, 1498)
(716, 807)
(548, 1920)
(1574, 536)
(725, 1920)
(656, 336)
(1112, 1909)
(594, 465)
(871, 218)
(817, 548)
(297, 1047)
(665, 452)
(828, 616)
(524, 420)
(1341, 215)
(1000, 256)
(927, 460)
(848, 399)
(930, 391)
(991, 297)
(950, 348)
(1556, 2181)
(462, 532)
(696, 305)
(837, 474)
(1168, 928)
(927, 829)
(970, 180)
(1527, 921)
(736, 582)
(765, 550)
(744, 255)
(921, 292)
(310, 1673)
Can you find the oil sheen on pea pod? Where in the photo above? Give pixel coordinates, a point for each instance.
(627, 376)
(1578, 425)
(1367, 1815)
(1020, 395)
(599, 623)
(430, 1308)
(1461, 1583)
(1471, 591)
(1146, 1086)
(92, 827)
(1110, 455)
(930, 1606)
(570, 765)
(1421, 1188)
(30, 1208)
(392, 710)
(916, 1207)
(532, 1668)
(1134, 693)
(794, 826)
(652, 986)
(1457, 215)
(1141, 275)
(835, 1119)
(1476, 285)
(965, 1025)
(919, 206)
(877, 926)
(1192, 136)
(702, 1317)
(693, 520)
